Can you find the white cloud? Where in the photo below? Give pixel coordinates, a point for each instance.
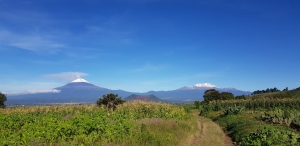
(68, 76)
(23, 86)
(31, 42)
(32, 92)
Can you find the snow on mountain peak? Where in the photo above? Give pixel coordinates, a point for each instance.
(205, 85)
(80, 80)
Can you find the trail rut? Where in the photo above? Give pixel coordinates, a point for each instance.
(209, 134)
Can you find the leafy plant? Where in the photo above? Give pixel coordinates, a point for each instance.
(269, 136)
(279, 116)
(233, 110)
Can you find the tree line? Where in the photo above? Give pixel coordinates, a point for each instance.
(268, 90)
(213, 94)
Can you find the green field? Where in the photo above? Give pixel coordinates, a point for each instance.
(261, 121)
(134, 123)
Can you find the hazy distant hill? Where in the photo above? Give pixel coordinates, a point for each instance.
(294, 93)
(81, 91)
(74, 92)
(134, 97)
(192, 94)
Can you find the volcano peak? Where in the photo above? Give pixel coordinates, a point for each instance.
(80, 80)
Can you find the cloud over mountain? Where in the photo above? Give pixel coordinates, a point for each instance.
(33, 92)
(67, 76)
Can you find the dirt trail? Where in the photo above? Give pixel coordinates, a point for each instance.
(210, 134)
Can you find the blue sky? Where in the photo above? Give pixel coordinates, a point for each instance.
(142, 45)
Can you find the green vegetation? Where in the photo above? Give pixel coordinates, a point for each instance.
(110, 101)
(255, 103)
(2, 100)
(265, 119)
(213, 94)
(295, 93)
(134, 123)
(279, 116)
(268, 90)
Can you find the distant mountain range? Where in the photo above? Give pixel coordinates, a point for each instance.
(81, 91)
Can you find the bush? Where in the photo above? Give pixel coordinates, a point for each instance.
(110, 101)
(269, 136)
(233, 110)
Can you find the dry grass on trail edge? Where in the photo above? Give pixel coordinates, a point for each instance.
(212, 133)
(208, 134)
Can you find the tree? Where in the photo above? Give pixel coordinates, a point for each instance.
(197, 104)
(211, 94)
(227, 96)
(110, 101)
(2, 100)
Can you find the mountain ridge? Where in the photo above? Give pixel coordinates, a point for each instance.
(81, 91)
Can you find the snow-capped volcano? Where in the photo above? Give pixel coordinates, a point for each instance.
(198, 86)
(80, 80)
(207, 85)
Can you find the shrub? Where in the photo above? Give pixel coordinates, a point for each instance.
(2, 100)
(110, 101)
(233, 110)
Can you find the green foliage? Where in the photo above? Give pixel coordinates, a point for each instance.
(82, 127)
(241, 97)
(197, 104)
(136, 123)
(233, 110)
(268, 90)
(236, 125)
(211, 94)
(279, 116)
(110, 101)
(246, 130)
(269, 136)
(226, 96)
(188, 107)
(207, 108)
(138, 110)
(260, 103)
(2, 100)
(295, 93)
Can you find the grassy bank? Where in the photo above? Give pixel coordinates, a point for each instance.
(247, 127)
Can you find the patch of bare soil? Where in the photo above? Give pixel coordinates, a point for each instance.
(228, 141)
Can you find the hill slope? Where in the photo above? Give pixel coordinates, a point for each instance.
(134, 97)
(81, 91)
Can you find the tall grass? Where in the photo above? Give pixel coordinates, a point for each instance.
(134, 123)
